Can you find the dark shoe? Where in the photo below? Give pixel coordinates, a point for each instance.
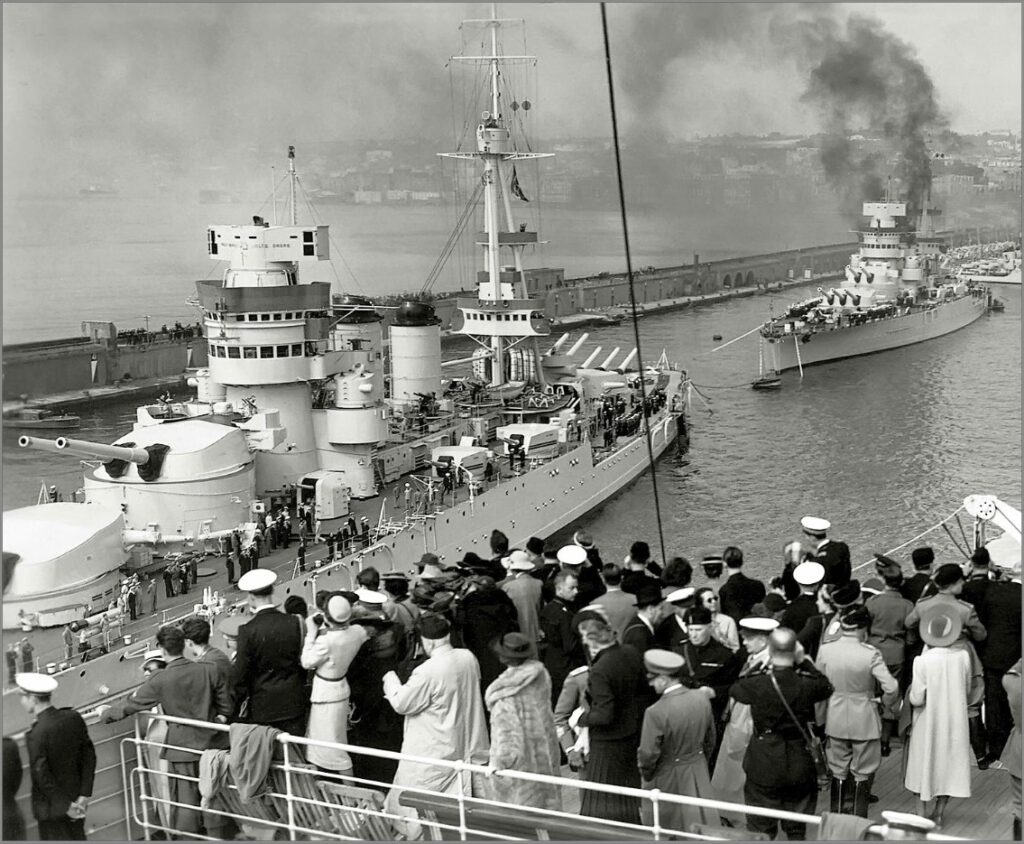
(1016, 829)
(984, 762)
(886, 749)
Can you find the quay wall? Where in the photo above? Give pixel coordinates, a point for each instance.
(35, 370)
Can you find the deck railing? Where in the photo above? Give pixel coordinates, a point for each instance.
(304, 802)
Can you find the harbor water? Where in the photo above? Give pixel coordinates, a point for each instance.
(885, 446)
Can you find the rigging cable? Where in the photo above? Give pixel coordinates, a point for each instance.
(913, 539)
(632, 289)
(453, 239)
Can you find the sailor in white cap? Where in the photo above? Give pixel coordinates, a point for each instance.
(808, 577)
(834, 556)
(676, 740)
(328, 650)
(62, 760)
(672, 629)
(266, 670)
(754, 632)
(525, 591)
(572, 555)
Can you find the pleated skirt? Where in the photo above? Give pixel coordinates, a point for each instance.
(611, 763)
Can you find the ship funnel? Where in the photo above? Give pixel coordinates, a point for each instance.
(592, 358)
(83, 448)
(38, 444)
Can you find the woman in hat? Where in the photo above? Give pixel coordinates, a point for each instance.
(723, 627)
(331, 645)
(523, 734)
(939, 751)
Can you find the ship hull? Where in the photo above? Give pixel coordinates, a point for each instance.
(880, 336)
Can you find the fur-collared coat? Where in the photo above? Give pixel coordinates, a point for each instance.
(523, 734)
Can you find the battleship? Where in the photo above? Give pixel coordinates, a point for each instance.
(891, 296)
(305, 402)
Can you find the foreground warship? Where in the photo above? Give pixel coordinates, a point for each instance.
(308, 400)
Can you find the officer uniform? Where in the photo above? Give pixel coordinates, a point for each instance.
(266, 671)
(62, 762)
(803, 606)
(852, 721)
(780, 770)
(834, 557)
(677, 739)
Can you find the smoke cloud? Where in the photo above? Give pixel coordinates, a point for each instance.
(865, 78)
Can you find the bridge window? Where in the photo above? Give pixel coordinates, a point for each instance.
(249, 352)
(234, 352)
(266, 351)
(282, 351)
(264, 317)
(296, 350)
(277, 316)
(251, 317)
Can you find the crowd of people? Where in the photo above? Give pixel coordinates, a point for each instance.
(141, 336)
(534, 658)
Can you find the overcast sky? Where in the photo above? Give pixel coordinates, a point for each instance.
(89, 83)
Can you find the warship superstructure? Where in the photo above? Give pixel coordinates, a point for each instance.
(305, 402)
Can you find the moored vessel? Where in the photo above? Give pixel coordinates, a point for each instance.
(891, 297)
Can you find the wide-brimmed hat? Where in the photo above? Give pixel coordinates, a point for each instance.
(940, 626)
(515, 646)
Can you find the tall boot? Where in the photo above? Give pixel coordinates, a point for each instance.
(836, 795)
(861, 790)
(1016, 829)
(888, 728)
(976, 732)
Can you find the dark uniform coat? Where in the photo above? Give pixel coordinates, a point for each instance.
(914, 585)
(716, 666)
(739, 593)
(800, 609)
(482, 616)
(267, 672)
(835, 558)
(561, 648)
(62, 762)
(638, 635)
(777, 756)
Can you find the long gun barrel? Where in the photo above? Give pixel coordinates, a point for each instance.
(84, 448)
(38, 444)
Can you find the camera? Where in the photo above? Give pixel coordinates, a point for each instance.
(318, 619)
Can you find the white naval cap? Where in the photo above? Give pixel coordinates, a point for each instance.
(257, 580)
(755, 624)
(35, 684)
(815, 526)
(572, 555)
(371, 596)
(680, 595)
(809, 573)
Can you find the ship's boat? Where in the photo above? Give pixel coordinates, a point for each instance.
(32, 418)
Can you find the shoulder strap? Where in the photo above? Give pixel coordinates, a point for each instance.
(785, 703)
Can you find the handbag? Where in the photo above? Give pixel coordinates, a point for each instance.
(811, 741)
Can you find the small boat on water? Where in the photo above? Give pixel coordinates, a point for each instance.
(766, 382)
(34, 418)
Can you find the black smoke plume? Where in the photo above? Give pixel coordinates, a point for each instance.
(865, 79)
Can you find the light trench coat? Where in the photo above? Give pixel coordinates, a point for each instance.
(939, 754)
(728, 779)
(444, 719)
